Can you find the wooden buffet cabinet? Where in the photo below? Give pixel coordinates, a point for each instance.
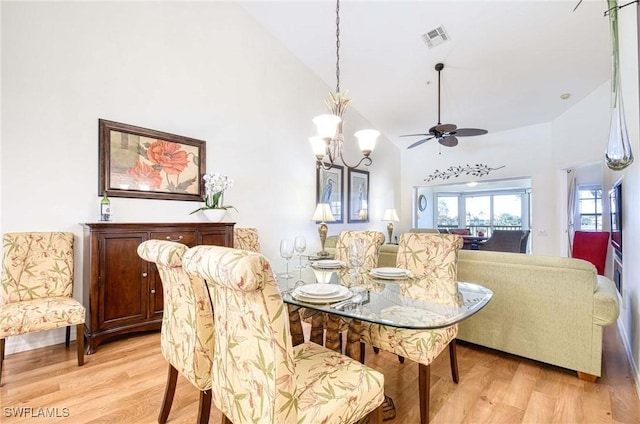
(121, 291)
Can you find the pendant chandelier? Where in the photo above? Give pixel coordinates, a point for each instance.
(329, 143)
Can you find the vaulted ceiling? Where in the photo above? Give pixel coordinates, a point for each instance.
(506, 62)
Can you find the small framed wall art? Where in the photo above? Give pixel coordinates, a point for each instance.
(358, 195)
(329, 189)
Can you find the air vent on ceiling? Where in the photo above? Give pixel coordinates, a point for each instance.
(435, 37)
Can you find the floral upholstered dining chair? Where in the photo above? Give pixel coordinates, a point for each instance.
(432, 259)
(246, 239)
(37, 287)
(186, 338)
(258, 376)
(372, 241)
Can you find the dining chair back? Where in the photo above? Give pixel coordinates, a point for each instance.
(514, 241)
(591, 246)
(246, 239)
(432, 260)
(186, 337)
(37, 287)
(258, 376)
(372, 241)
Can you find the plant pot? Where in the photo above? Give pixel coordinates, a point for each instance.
(214, 215)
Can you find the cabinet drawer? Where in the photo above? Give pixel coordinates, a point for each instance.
(184, 237)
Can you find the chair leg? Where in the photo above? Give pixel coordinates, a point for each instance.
(204, 408)
(67, 338)
(1, 357)
(424, 382)
(226, 420)
(376, 350)
(362, 347)
(401, 359)
(375, 416)
(453, 358)
(80, 343)
(169, 391)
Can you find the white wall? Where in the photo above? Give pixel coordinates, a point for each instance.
(205, 70)
(629, 322)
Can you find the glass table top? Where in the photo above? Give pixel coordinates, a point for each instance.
(390, 300)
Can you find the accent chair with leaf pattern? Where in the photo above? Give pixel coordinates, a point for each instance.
(246, 239)
(186, 337)
(37, 287)
(432, 259)
(372, 241)
(258, 376)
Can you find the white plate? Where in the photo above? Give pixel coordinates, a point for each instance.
(312, 299)
(319, 290)
(328, 264)
(390, 272)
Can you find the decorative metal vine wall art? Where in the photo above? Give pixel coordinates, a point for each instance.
(477, 170)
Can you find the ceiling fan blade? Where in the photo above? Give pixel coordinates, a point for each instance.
(448, 141)
(419, 142)
(469, 132)
(413, 135)
(445, 128)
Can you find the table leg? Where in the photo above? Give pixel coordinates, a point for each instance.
(333, 332)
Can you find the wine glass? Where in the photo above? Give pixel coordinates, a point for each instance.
(300, 245)
(356, 255)
(286, 252)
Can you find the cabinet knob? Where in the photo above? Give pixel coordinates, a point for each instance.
(153, 291)
(144, 274)
(170, 239)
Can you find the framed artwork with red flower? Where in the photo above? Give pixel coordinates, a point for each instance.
(144, 163)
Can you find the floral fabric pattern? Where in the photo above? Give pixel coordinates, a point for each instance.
(371, 239)
(432, 259)
(258, 377)
(246, 239)
(186, 337)
(37, 283)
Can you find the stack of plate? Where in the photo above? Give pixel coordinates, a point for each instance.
(390, 273)
(321, 293)
(327, 264)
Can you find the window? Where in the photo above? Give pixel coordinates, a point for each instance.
(483, 212)
(590, 208)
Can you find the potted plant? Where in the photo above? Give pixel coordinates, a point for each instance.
(215, 185)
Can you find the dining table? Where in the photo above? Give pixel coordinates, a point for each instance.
(334, 296)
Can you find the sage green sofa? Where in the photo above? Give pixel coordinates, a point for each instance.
(549, 309)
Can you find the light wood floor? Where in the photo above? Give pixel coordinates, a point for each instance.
(123, 382)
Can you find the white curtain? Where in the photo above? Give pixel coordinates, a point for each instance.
(571, 208)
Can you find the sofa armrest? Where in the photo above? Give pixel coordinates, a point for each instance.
(605, 302)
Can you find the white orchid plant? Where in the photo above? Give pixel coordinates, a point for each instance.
(215, 185)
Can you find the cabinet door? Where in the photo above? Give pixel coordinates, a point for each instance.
(123, 284)
(221, 235)
(156, 297)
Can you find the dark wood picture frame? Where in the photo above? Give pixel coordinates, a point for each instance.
(329, 189)
(358, 196)
(144, 163)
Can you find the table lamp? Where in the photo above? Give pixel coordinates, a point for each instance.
(391, 216)
(322, 214)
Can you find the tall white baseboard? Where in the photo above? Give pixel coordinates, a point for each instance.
(627, 348)
(32, 341)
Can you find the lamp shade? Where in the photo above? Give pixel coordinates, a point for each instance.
(326, 125)
(367, 139)
(390, 215)
(323, 213)
(318, 145)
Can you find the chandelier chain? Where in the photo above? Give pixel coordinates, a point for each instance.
(337, 46)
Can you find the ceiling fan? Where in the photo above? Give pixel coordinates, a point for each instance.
(446, 134)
